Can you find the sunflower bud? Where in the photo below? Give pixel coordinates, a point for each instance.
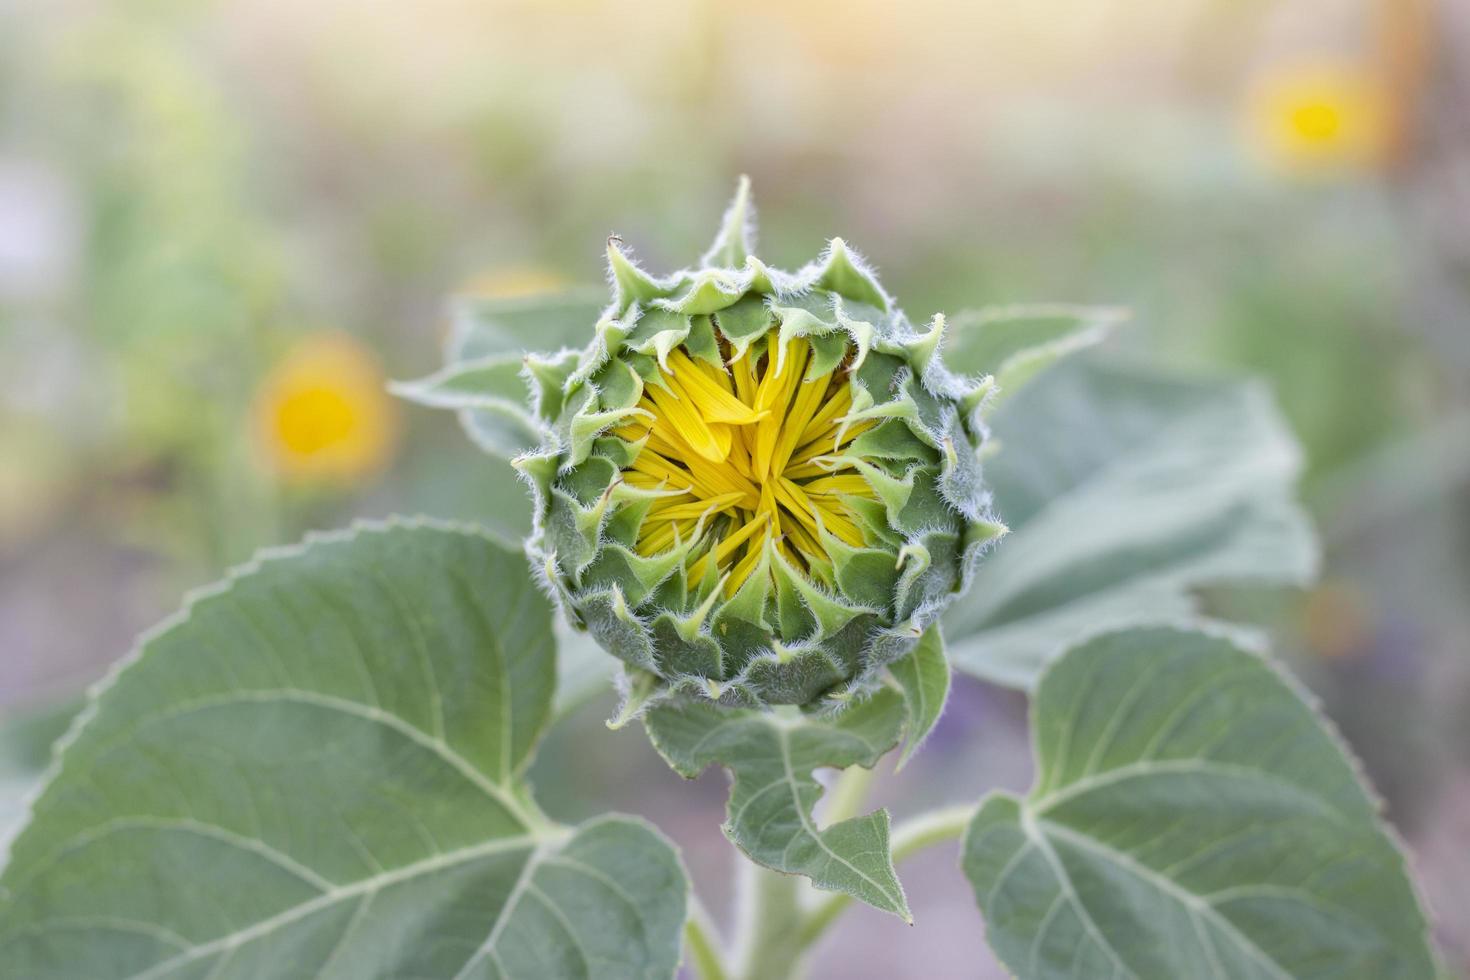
(759, 487)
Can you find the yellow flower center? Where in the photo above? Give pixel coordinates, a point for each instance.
(1316, 122)
(313, 419)
(746, 454)
(1319, 118)
(322, 412)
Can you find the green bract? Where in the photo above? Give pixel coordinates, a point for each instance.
(755, 486)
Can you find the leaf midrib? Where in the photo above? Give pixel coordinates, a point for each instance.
(347, 706)
(1154, 767)
(365, 886)
(357, 709)
(393, 722)
(806, 823)
(1196, 905)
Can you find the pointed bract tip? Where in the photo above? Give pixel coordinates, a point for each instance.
(619, 264)
(926, 345)
(736, 238)
(976, 397)
(844, 272)
(630, 283)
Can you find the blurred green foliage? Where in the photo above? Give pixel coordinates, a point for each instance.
(187, 187)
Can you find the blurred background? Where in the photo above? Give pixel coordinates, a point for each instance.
(223, 223)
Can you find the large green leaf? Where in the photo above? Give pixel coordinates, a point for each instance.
(481, 379)
(491, 398)
(26, 738)
(1192, 817)
(1013, 344)
(1125, 489)
(770, 810)
(519, 325)
(315, 770)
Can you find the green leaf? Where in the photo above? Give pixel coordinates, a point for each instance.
(923, 679)
(491, 396)
(316, 770)
(583, 668)
(1124, 490)
(26, 738)
(1192, 817)
(485, 381)
(1013, 344)
(28, 734)
(770, 810)
(522, 324)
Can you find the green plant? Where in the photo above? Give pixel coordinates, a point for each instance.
(318, 767)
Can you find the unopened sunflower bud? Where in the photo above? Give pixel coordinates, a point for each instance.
(759, 487)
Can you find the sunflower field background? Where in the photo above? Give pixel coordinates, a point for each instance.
(225, 225)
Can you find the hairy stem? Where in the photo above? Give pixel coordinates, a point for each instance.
(706, 955)
(909, 838)
(770, 906)
(770, 946)
(848, 794)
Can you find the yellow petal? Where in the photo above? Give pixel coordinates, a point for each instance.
(690, 426)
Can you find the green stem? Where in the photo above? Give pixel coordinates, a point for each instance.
(928, 829)
(770, 946)
(909, 838)
(705, 954)
(848, 794)
(770, 906)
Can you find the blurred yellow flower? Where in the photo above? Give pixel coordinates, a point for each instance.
(323, 413)
(1318, 118)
